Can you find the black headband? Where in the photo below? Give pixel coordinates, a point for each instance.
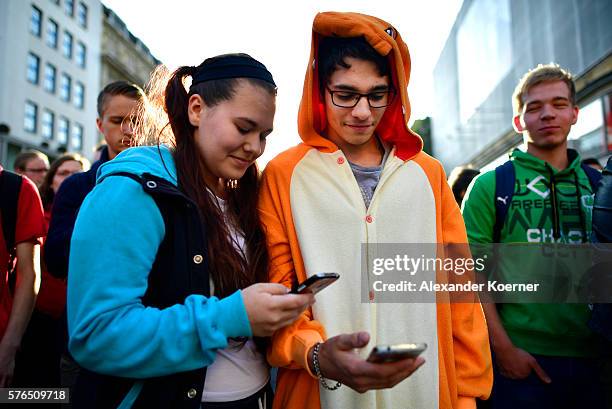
(232, 67)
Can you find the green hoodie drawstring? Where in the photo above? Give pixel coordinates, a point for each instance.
(579, 202)
(555, 210)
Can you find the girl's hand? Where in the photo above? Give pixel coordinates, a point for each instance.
(270, 307)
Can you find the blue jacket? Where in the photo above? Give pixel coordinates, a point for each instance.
(117, 237)
(66, 204)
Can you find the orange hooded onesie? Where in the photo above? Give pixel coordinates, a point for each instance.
(316, 220)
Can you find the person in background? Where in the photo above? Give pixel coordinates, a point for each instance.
(594, 163)
(460, 179)
(545, 354)
(33, 164)
(23, 228)
(601, 320)
(117, 104)
(37, 363)
(61, 169)
(98, 151)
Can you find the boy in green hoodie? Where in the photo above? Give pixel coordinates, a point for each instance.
(543, 352)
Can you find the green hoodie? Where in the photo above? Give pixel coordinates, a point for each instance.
(541, 212)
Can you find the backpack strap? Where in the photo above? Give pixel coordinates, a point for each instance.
(153, 185)
(132, 176)
(504, 190)
(10, 187)
(593, 174)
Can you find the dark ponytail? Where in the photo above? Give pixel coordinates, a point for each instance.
(176, 101)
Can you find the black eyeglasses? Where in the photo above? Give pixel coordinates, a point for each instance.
(350, 99)
(36, 170)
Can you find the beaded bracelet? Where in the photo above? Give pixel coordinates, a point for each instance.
(315, 363)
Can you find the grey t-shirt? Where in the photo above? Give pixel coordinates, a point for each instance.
(368, 177)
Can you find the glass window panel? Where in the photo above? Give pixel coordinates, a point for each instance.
(77, 138)
(483, 36)
(65, 87)
(81, 54)
(82, 15)
(30, 117)
(50, 75)
(63, 127)
(47, 122)
(69, 7)
(33, 68)
(587, 136)
(67, 45)
(52, 34)
(79, 95)
(36, 21)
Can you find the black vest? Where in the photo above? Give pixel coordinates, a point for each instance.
(180, 269)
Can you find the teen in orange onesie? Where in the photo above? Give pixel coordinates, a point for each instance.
(360, 178)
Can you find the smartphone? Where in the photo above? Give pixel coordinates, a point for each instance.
(315, 283)
(392, 353)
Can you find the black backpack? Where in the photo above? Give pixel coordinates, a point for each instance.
(10, 186)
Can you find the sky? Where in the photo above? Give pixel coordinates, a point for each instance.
(278, 33)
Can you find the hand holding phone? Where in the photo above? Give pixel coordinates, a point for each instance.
(338, 361)
(315, 283)
(393, 353)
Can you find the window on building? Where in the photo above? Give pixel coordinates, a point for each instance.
(63, 126)
(50, 75)
(69, 7)
(36, 21)
(77, 137)
(81, 54)
(82, 14)
(588, 135)
(47, 121)
(67, 45)
(79, 95)
(33, 68)
(65, 87)
(52, 34)
(485, 34)
(31, 116)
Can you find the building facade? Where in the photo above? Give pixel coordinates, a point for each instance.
(56, 57)
(124, 56)
(491, 45)
(49, 76)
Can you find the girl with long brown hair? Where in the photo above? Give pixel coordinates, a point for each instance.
(168, 258)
